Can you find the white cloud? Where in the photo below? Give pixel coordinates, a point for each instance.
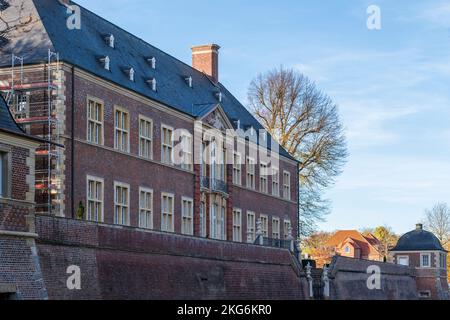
(439, 14)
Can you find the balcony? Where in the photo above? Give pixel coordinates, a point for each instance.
(219, 186)
(204, 182)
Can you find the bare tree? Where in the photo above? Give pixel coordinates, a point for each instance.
(13, 16)
(437, 220)
(306, 123)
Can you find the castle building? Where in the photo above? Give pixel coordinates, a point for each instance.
(422, 251)
(146, 137)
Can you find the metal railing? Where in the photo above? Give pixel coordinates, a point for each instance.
(219, 185)
(204, 182)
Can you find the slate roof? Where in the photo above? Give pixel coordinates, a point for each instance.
(84, 47)
(418, 240)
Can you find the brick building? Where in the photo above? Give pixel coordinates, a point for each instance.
(423, 252)
(143, 133)
(20, 273)
(354, 244)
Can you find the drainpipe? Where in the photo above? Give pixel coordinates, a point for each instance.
(72, 148)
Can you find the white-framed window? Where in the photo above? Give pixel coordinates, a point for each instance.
(95, 120)
(217, 225)
(167, 212)
(203, 160)
(403, 260)
(213, 220)
(264, 224)
(121, 130)
(287, 229)
(186, 149)
(145, 137)
(275, 182)
(275, 228)
(202, 219)
(222, 223)
(145, 208)
(250, 173)
(166, 144)
(443, 260)
(237, 169)
(121, 203)
(263, 185)
(237, 225)
(287, 185)
(425, 260)
(425, 294)
(222, 166)
(251, 226)
(95, 199)
(187, 216)
(347, 250)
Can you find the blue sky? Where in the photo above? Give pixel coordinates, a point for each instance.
(392, 85)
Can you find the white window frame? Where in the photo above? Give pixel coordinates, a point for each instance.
(122, 134)
(398, 258)
(237, 225)
(237, 169)
(250, 177)
(170, 213)
(251, 226)
(286, 186)
(286, 230)
(443, 260)
(263, 179)
(165, 146)
(145, 141)
(213, 219)
(97, 124)
(186, 149)
(145, 210)
(429, 260)
(275, 182)
(5, 173)
(276, 228)
(95, 200)
(187, 218)
(203, 219)
(119, 218)
(264, 218)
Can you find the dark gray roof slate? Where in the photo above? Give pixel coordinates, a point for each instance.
(7, 122)
(418, 240)
(84, 47)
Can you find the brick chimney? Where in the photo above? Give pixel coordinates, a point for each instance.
(205, 58)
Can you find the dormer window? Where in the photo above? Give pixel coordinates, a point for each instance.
(130, 72)
(219, 96)
(189, 81)
(152, 62)
(106, 61)
(152, 83)
(110, 40)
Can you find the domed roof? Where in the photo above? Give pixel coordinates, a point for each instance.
(418, 240)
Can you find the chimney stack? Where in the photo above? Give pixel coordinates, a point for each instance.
(205, 58)
(419, 227)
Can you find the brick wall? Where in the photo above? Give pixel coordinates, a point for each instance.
(126, 263)
(349, 281)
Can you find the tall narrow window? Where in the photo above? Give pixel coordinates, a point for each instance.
(263, 186)
(145, 208)
(202, 219)
(167, 206)
(251, 225)
(237, 165)
(214, 218)
(425, 260)
(264, 225)
(222, 224)
(275, 228)
(237, 225)
(94, 199)
(286, 185)
(186, 146)
(250, 173)
(275, 182)
(203, 160)
(95, 122)
(4, 175)
(121, 204)
(121, 129)
(187, 220)
(287, 229)
(166, 145)
(145, 137)
(222, 165)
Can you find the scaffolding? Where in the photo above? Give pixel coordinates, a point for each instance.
(33, 95)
